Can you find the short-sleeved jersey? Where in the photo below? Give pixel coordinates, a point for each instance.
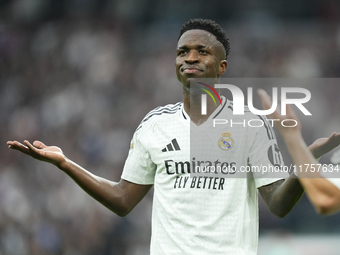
(335, 159)
(195, 214)
(335, 182)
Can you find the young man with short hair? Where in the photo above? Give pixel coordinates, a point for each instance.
(190, 216)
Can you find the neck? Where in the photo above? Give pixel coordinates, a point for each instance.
(192, 106)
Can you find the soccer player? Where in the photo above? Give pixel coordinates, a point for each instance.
(324, 193)
(191, 215)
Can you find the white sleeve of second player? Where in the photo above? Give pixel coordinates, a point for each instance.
(332, 174)
(334, 181)
(265, 157)
(138, 167)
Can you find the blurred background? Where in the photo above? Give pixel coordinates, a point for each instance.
(81, 74)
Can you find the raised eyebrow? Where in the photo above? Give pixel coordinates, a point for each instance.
(183, 48)
(186, 47)
(201, 47)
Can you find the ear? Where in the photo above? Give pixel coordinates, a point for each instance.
(222, 67)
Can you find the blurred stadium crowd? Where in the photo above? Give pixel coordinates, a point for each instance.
(84, 82)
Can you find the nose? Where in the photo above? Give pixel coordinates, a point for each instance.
(192, 57)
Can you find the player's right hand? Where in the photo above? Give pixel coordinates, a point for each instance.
(40, 151)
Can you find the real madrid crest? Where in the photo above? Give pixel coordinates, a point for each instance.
(226, 142)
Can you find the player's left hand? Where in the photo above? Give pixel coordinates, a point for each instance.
(322, 146)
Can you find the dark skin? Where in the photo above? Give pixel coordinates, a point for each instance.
(199, 55)
(119, 197)
(321, 192)
(199, 52)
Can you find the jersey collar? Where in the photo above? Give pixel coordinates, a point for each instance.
(218, 110)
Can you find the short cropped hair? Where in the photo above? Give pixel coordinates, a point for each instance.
(209, 26)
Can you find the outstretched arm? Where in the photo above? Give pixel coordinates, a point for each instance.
(323, 194)
(281, 196)
(119, 197)
(322, 146)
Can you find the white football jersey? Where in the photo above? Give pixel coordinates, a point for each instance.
(335, 182)
(196, 213)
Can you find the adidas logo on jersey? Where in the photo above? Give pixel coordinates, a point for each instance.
(172, 146)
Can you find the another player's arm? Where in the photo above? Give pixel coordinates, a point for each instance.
(281, 196)
(119, 197)
(322, 193)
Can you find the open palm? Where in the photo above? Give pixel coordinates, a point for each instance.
(39, 150)
(322, 146)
